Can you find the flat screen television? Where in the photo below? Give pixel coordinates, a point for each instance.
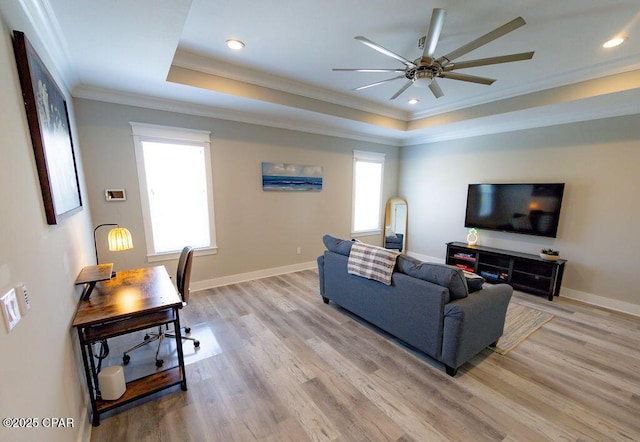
(532, 209)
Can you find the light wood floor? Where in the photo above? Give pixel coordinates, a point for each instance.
(287, 367)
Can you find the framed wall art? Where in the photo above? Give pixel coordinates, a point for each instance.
(291, 177)
(50, 130)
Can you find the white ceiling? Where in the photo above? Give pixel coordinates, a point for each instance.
(171, 54)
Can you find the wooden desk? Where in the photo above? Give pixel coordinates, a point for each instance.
(133, 300)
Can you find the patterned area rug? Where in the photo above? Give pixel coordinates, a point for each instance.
(520, 323)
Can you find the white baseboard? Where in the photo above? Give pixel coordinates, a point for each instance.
(84, 435)
(588, 298)
(601, 301)
(242, 277)
(425, 258)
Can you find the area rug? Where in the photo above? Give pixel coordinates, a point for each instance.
(520, 323)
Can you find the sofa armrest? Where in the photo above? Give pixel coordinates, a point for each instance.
(473, 323)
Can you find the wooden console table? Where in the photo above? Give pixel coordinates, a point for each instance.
(134, 300)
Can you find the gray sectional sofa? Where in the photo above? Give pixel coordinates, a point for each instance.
(429, 306)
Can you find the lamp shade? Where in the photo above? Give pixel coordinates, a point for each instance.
(119, 239)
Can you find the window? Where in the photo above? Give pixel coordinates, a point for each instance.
(174, 174)
(368, 168)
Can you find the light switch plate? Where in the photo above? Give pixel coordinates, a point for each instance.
(10, 309)
(23, 299)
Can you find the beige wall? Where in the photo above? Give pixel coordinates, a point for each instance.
(41, 372)
(598, 161)
(256, 230)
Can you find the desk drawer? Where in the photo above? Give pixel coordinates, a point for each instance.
(127, 325)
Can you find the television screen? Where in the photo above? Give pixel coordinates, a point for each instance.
(532, 209)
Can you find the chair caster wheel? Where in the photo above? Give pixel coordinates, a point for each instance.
(159, 363)
(187, 330)
(126, 359)
(196, 344)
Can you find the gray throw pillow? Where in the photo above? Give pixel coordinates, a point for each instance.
(441, 274)
(474, 282)
(337, 245)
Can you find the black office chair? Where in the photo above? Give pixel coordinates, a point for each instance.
(183, 279)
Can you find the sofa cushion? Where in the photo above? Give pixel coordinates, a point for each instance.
(445, 275)
(337, 245)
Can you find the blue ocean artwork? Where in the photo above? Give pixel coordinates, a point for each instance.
(295, 177)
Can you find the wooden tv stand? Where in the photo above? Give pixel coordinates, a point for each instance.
(523, 271)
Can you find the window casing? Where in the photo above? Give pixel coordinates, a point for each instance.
(368, 172)
(176, 191)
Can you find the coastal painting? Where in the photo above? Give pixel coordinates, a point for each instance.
(291, 177)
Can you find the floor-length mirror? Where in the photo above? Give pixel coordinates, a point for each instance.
(395, 221)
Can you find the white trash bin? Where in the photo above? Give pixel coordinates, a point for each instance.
(111, 380)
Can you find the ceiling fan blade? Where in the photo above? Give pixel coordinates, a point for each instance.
(466, 77)
(488, 61)
(366, 70)
(433, 34)
(481, 41)
(435, 89)
(385, 51)
(378, 82)
(402, 89)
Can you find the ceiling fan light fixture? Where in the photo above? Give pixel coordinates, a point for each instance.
(234, 44)
(423, 78)
(413, 101)
(617, 41)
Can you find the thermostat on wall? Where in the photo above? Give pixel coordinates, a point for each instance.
(115, 194)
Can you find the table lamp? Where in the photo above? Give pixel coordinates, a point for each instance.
(119, 239)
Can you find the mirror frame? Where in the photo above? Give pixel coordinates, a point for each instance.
(387, 220)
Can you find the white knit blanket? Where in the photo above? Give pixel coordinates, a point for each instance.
(372, 262)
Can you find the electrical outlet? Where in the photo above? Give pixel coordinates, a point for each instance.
(10, 309)
(298, 250)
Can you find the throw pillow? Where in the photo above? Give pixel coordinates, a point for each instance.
(337, 245)
(474, 282)
(441, 274)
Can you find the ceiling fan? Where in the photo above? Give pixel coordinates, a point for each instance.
(423, 71)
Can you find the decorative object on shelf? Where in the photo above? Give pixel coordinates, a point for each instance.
(119, 239)
(282, 177)
(472, 237)
(50, 133)
(550, 254)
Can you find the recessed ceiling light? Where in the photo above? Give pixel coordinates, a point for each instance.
(414, 101)
(235, 44)
(614, 42)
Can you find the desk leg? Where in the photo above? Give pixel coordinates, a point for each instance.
(86, 359)
(88, 288)
(178, 333)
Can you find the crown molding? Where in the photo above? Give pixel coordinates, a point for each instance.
(47, 28)
(528, 119)
(271, 120)
(199, 63)
(597, 71)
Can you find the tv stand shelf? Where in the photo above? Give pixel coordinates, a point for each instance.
(523, 271)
